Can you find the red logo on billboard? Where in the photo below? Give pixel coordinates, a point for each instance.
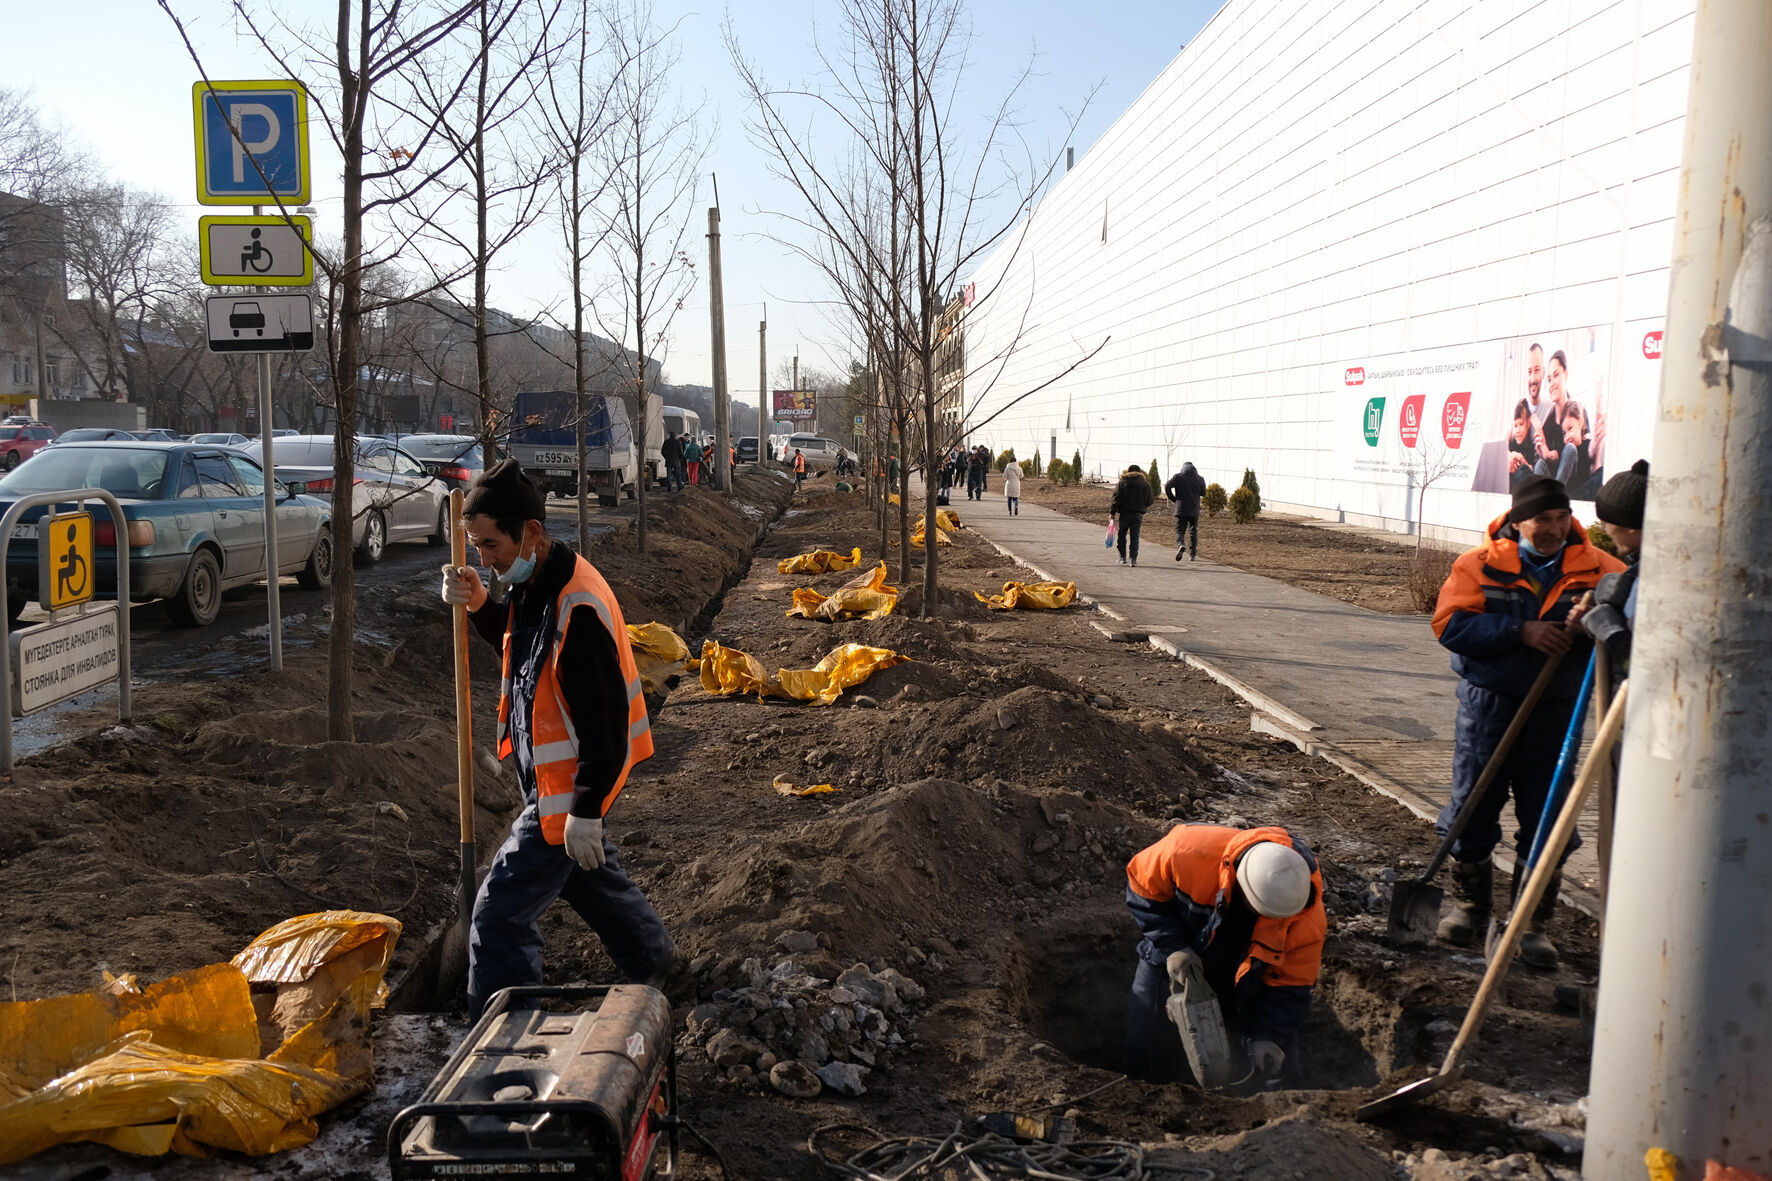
(1355, 376)
(1652, 345)
(1409, 422)
(1453, 418)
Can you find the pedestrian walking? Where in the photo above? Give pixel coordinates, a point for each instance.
(672, 450)
(1012, 489)
(572, 717)
(799, 470)
(976, 466)
(1132, 496)
(1245, 909)
(1184, 490)
(1509, 605)
(692, 458)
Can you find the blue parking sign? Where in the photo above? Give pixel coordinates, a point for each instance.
(248, 133)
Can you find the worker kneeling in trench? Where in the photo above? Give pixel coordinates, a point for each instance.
(1246, 908)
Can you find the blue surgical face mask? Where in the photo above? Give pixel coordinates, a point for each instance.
(519, 572)
(1529, 548)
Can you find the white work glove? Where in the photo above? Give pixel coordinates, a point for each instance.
(462, 587)
(1180, 963)
(1266, 1058)
(584, 842)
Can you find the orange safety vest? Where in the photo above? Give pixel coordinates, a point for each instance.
(799, 463)
(553, 741)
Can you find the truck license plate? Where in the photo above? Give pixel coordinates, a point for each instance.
(558, 471)
(556, 459)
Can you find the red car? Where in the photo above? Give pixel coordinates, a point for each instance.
(19, 443)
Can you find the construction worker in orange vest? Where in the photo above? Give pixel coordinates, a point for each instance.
(572, 716)
(799, 469)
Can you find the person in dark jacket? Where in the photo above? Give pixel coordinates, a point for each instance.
(1509, 605)
(1243, 907)
(1132, 496)
(672, 450)
(1612, 610)
(572, 717)
(1184, 490)
(977, 465)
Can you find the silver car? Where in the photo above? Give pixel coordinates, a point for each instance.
(394, 499)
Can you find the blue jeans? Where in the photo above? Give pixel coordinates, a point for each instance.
(1483, 716)
(527, 874)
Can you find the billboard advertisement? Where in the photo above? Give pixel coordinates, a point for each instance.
(794, 405)
(1415, 418)
(1549, 412)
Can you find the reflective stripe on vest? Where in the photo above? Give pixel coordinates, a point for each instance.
(552, 736)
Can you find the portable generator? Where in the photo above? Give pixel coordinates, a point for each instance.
(576, 1081)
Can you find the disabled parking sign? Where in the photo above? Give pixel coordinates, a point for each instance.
(64, 575)
(252, 142)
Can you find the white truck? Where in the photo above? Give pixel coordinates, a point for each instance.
(544, 442)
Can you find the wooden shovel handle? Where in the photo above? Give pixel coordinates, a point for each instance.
(464, 717)
(1539, 881)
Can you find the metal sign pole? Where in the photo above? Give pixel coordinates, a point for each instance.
(273, 597)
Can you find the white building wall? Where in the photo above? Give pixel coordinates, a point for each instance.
(1410, 189)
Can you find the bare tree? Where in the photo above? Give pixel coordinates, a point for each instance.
(1424, 464)
(653, 152)
(118, 240)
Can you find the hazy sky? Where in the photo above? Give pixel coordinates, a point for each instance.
(115, 75)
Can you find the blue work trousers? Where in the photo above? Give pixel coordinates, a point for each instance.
(527, 874)
(1483, 716)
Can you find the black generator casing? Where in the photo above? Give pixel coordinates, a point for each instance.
(550, 1082)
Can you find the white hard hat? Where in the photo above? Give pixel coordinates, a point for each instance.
(1274, 879)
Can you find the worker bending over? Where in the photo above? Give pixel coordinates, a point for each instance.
(1508, 606)
(571, 712)
(1247, 907)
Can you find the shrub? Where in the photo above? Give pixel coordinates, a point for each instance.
(1058, 471)
(1076, 466)
(1428, 572)
(1027, 467)
(1213, 500)
(1156, 480)
(1005, 459)
(1250, 482)
(1599, 538)
(1245, 506)
(1036, 462)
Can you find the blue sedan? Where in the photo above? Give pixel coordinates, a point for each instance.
(196, 521)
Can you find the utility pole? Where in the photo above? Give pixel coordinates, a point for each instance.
(763, 388)
(1684, 1017)
(717, 312)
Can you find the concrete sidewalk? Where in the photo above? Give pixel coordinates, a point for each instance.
(1372, 693)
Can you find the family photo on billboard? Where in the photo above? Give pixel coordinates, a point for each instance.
(1552, 412)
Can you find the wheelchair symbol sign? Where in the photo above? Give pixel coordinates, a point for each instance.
(67, 560)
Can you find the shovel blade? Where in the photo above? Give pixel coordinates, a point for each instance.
(1415, 913)
(1406, 1096)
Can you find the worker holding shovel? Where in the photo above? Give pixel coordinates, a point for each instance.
(572, 714)
(1509, 605)
(1244, 910)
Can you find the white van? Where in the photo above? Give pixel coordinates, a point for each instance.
(820, 453)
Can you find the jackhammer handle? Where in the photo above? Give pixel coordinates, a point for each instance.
(1493, 766)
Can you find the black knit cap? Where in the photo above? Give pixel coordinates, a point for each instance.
(1537, 494)
(1620, 501)
(504, 493)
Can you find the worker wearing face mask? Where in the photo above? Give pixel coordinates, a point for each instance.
(1508, 606)
(572, 716)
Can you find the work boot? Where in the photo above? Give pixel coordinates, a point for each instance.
(1536, 949)
(1473, 887)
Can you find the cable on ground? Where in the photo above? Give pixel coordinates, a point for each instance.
(986, 1157)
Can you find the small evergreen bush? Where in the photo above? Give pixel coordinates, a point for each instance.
(1213, 500)
(1245, 505)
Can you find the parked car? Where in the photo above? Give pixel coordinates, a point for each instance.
(747, 449)
(222, 438)
(19, 443)
(454, 459)
(196, 524)
(395, 499)
(93, 434)
(281, 432)
(820, 453)
(158, 434)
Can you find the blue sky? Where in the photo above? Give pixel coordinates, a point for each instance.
(115, 75)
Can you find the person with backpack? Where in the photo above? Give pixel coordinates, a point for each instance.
(1132, 496)
(1184, 490)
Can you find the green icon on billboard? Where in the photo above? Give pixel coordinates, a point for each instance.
(1374, 420)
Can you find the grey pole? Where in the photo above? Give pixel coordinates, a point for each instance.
(1685, 1007)
(717, 312)
(762, 391)
(273, 598)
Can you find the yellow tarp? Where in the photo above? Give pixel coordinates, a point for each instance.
(864, 597)
(729, 672)
(819, 561)
(239, 1056)
(1029, 595)
(785, 788)
(659, 653)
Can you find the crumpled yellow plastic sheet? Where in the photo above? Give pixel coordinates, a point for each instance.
(729, 672)
(819, 561)
(863, 597)
(659, 653)
(1030, 595)
(239, 1056)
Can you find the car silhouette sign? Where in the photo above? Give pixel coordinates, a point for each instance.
(262, 324)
